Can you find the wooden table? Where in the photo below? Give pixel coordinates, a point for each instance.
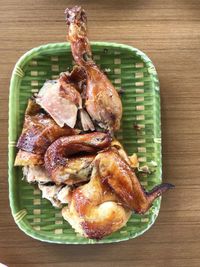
(169, 32)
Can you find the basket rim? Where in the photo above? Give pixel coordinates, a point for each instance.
(22, 61)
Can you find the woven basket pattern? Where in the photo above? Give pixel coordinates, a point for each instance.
(130, 70)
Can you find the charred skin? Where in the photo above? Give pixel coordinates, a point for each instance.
(64, 147)
(102, 100)
(123, 180)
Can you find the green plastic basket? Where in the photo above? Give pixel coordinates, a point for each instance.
(129, 69)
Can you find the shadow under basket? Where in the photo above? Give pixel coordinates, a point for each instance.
(134, 75)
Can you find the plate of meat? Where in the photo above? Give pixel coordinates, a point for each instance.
(84, 140)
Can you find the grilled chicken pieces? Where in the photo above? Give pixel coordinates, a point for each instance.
(102, 100)
(88, 171)
(94, 210)
(62, 168)
(62, 100)
(103, 205)
(117, 173)
(70, 87)
(39, 131)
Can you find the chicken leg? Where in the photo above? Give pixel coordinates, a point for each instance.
(102, 100)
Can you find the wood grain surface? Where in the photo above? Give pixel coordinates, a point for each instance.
(169, 33)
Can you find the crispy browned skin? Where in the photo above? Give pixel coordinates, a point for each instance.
(39, 131)
(94, 210)
(58, 153)
(104, 205)
(78, 168)
(122, 179)
(102, 100)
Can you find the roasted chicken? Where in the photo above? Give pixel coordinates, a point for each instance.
(56, 194)
(104, 204)
(36, 174)
(90, 172)
(102, 100)
(61, 168)
(115, 171)
(94, 210)
(62, 100)
(39, 131)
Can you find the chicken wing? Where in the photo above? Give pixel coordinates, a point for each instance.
(105, 204)
(115, 171)
(102, 100)
(61, 167)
